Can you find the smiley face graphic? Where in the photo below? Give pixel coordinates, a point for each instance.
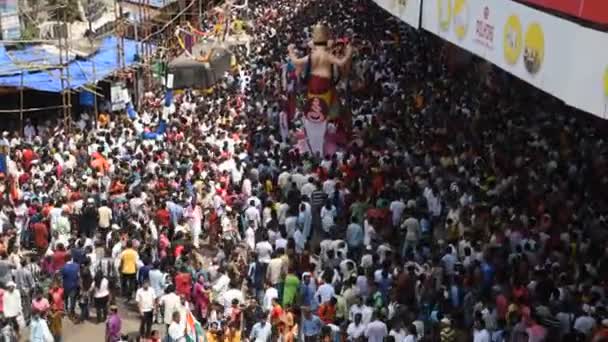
(534, 48)
(512, 40)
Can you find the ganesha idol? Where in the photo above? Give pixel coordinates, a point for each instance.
(321, 113)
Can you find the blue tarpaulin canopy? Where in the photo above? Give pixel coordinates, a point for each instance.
(105, 62)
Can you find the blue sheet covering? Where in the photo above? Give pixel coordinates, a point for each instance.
(81, 71)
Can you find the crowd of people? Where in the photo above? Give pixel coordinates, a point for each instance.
(466, 207)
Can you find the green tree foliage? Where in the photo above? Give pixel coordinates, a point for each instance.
(70, 10)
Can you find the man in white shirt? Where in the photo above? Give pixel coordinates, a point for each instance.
(325, 292)
(308, 188)
(29, 131)
(284, 179)
(269, 295)
(396, 208)
(376, 330)
(264, 251)
(300, 241)
(261, 331)
(584, 324)
(170, 303)
(480, 333)
(105, 215)
(250, 237)
(274, 272)
(356, 329)
(39, 329)
(12, 304)
(146, 302)
(177, 331)
(252, 214)
(329, 186)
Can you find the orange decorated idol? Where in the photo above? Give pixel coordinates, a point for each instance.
(320, 68)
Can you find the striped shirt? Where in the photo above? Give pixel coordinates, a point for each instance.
(106, 267)
(317, 199)
(35, 270)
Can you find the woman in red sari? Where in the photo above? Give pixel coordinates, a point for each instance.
(200, 297)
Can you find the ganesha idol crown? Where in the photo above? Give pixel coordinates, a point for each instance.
(320, 34)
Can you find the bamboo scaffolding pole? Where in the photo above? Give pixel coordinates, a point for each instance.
(21, 106)
(29, 110)
(95, 106)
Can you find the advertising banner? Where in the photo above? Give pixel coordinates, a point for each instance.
(406, 10)
(594, 11)
(527, 43)
(587, 86)
(117, 97)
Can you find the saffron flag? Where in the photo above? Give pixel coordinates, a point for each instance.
(194, 330)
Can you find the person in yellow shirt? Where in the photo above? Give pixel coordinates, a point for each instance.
(128, 269)
(214, 333)
(232, 333)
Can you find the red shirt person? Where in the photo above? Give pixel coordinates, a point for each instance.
(41, 235)
(56, 297)
(59, 257)
(183, 284)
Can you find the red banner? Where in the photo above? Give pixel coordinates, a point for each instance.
(595, 11)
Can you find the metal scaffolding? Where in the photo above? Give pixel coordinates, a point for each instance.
(64, 59)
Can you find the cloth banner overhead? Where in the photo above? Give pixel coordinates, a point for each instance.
(406, 10)
(587, 86)
(527, 43)
(562, 58)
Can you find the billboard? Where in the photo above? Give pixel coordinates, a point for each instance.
(558, 56)
(587, 85)
(595, 11)
(406, 10)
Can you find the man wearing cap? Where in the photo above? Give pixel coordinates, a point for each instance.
(12, 305)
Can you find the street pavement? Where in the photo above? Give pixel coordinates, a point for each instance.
(92, 332)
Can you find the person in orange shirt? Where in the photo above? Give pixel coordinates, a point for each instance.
(117, 187)
(276, 312)
(103, 119)
(327, 311)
